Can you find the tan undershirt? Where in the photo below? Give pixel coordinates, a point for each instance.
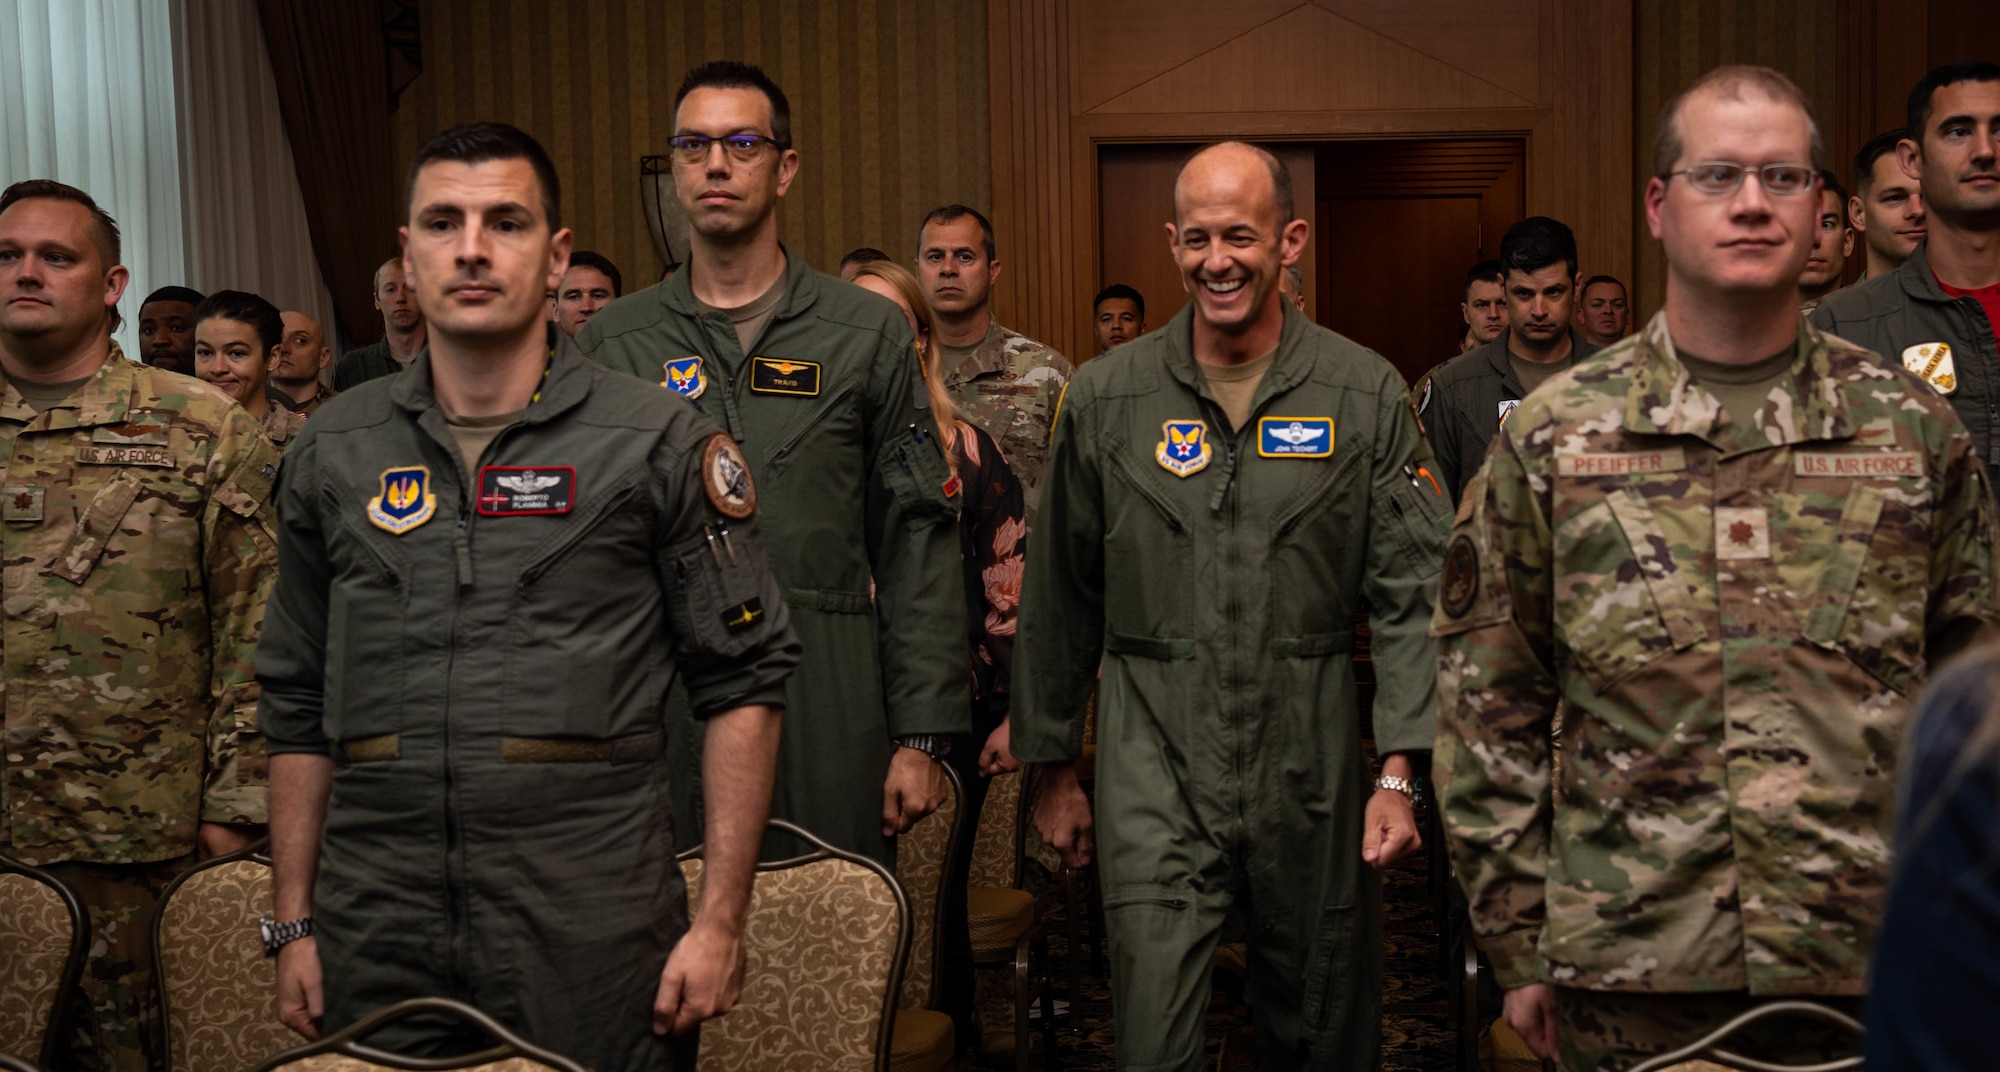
(474, 434)
(1533, 374)
(1235, 386)
(40, 396)
(1741, 389)
(751, 320)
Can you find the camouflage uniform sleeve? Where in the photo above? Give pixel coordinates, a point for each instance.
(1964, 587)
(1406, 530)
(240, 561)
(1497, 697)
(1061, 630)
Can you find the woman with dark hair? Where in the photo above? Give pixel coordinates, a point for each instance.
(236, 338)
(1936, 975)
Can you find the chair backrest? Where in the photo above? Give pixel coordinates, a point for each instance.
(923, 858)
(827, 936)
(18, 1064)
(343, 1051)
(996, 843)
(219, 989)
(1710, 1045)
(44, 935)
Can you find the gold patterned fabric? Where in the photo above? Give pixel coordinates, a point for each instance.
(920, 860)
(923, 1041)
(35, 933)
(822, 940)
(999, 917)
(995, 849)
(221, 991)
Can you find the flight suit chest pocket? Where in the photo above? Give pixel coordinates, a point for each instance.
(1620, 599)
(721, 612)
(94, 528)
(1856, 608)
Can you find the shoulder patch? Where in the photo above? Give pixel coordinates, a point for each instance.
(685, 377)
(725, 478)
(1460, 585)
(1933, 362)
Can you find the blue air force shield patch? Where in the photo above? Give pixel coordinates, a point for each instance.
(685, 377)
(406, 500)
(1184, 452)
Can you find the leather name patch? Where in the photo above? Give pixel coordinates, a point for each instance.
(153, 457)
(1892, 463)
(770, 375)
(1642, 461)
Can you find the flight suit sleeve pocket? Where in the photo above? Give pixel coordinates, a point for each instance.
(916, 473)
(722, 613)
(1419, 520)
(79, 554)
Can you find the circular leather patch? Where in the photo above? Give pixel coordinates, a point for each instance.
(1460, 585)
(725, 476)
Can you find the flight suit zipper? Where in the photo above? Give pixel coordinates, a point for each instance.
(813, 423)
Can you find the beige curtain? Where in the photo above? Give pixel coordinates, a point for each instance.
(246, 220)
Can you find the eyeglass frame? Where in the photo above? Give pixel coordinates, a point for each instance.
(1743, 172)
(708, 142)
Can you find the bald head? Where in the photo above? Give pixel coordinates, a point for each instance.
(1237, 171)
(302, 352)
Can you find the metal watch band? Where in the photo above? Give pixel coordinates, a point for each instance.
(1399, 784)
(934, 745)
(278, 935)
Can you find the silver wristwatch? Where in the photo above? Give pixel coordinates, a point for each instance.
(1399, 784)
(278, 935)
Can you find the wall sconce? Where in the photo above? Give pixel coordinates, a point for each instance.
(663, 212)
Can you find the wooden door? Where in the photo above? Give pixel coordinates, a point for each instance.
(1400, 222)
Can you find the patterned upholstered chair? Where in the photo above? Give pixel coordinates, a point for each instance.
(828, 934)
(1003, 915)
(343, 1051)
(219, 989)
(18, 1064)
(1694, 1057)
(43, 937)
(924, 1040)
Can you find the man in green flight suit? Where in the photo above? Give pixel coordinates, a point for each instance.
(818, 381)
(1222, 496)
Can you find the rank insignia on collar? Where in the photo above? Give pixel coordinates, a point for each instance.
(514, 491)
(1295, 437)
(406, 500)
(775, 376)
(1932, 361)
(1507, 409)
(1184, 452)
(685, 377)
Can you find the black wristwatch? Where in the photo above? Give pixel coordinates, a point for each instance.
(277, 935)
(934, 745)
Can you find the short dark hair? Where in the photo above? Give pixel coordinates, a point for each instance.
(1537, 242)
(1120, 290)
(109, 242)
(952, 214)
(244, 307)
(1729, 81)
(1483, 272)
(1596, 279)
(734, 74)
(1832, 182)
(189, 295)
(1919, 109)
(584, 258)
(863, 255)
(478, 143)
(1875, 148)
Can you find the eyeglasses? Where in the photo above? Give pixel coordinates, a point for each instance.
(1718, 177)
(693, 148)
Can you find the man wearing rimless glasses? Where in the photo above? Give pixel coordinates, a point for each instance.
(1732, 547)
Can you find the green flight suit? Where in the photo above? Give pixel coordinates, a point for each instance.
(1217, 575)
(484, 651)
(831, 412)
(360, 365)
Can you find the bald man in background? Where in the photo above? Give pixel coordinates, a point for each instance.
(301, 357)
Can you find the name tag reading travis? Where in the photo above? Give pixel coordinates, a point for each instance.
(514, 491)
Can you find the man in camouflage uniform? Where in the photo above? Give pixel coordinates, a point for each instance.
(1003, 381)
(139, 551)
(1733, 570)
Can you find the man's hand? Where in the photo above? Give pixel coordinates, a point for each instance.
(1531, 1012)
(702, 979)
(221, 839)
(998, 757)
(301, 1004)
(1062, 815)
(915, 788)
(1389, 829)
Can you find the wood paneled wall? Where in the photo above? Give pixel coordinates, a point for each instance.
(889, 105)
(1070, 77)
(1678, 40)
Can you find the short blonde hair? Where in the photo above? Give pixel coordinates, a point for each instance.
(942, 408)
(1729, 83)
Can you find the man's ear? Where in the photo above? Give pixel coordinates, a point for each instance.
(1910, 158)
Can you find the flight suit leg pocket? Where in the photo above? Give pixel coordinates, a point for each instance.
(1332, 950)
(1855, 609)
(1160, 961)
(1618, 592)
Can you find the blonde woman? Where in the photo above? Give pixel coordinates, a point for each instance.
(993, 534)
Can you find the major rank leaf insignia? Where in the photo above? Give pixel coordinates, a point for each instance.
(685, 377)
(406, 500)
(1184, 452)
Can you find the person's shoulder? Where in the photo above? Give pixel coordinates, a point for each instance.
(1474, 364)
(1870, 299)
(1026, 354)
(1134, 368)
(1878, 386)
(364, 405)
(194, 401)
(626, 315)
(363, 353)
(1587, 392)
(1341, 361)
(838, 303)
